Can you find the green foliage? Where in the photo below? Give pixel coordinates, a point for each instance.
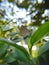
(43, 48)
(11, 0)
(19, 53)
(39, 33)
(11, 53)
(3, 50)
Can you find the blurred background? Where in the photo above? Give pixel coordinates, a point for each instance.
(22, 15)
(24, 12)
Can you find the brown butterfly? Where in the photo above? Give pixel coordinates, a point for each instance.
(24, 31)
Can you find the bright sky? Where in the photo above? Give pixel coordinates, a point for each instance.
(39, 1)
(19, 13)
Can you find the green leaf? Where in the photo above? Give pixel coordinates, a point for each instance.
(19, 55)
(12, 33)
(17, 39)
(15, 63)
(3, 50)
(39, 33)
(9, 58)
(5, 28)
(4, 64)
(43, 48)
(20, 48)
(11, 0)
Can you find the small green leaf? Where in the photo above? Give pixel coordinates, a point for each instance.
(3, 49)
(11, 0)
(43, 48)
(12, 33)
(5, 28)
(9, 58)
(39, 33)
(17, 39)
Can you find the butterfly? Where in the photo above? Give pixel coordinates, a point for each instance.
(24, 31)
